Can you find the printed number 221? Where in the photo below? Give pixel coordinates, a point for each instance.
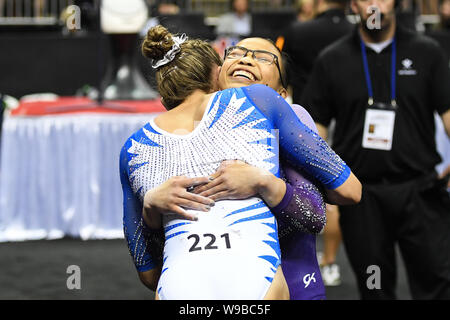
(212, 240)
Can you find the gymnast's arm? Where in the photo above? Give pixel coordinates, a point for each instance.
(305, 149)
(303, 206)
(145, 245)
(296, 201)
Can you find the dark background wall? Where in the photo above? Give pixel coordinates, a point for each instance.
(32, 62)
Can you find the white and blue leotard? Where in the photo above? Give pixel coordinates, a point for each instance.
(232, 251)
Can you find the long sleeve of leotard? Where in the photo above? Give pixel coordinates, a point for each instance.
(302, 147)
(145, 245)
(302, 207)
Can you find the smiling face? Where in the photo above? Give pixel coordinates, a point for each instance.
(246, 71)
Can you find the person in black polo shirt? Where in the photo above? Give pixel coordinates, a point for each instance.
(382, 84)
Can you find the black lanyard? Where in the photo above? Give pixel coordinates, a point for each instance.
(393, 72)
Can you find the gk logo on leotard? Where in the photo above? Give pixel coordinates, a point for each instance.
(308, 278)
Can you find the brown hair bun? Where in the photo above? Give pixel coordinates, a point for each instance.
(188, 68)
(157, 43)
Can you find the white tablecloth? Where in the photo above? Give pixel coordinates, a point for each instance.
(59, 175)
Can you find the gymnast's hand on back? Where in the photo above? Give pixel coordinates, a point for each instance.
(236, 180)
(173, 197)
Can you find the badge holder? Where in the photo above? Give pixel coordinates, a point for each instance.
(380, 117)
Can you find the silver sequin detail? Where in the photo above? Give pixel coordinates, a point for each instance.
(305, 217)
(201, 152)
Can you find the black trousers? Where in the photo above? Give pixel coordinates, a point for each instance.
(416, 216)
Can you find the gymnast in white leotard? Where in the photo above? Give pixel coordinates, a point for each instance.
(236, 242)
(232, 251)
